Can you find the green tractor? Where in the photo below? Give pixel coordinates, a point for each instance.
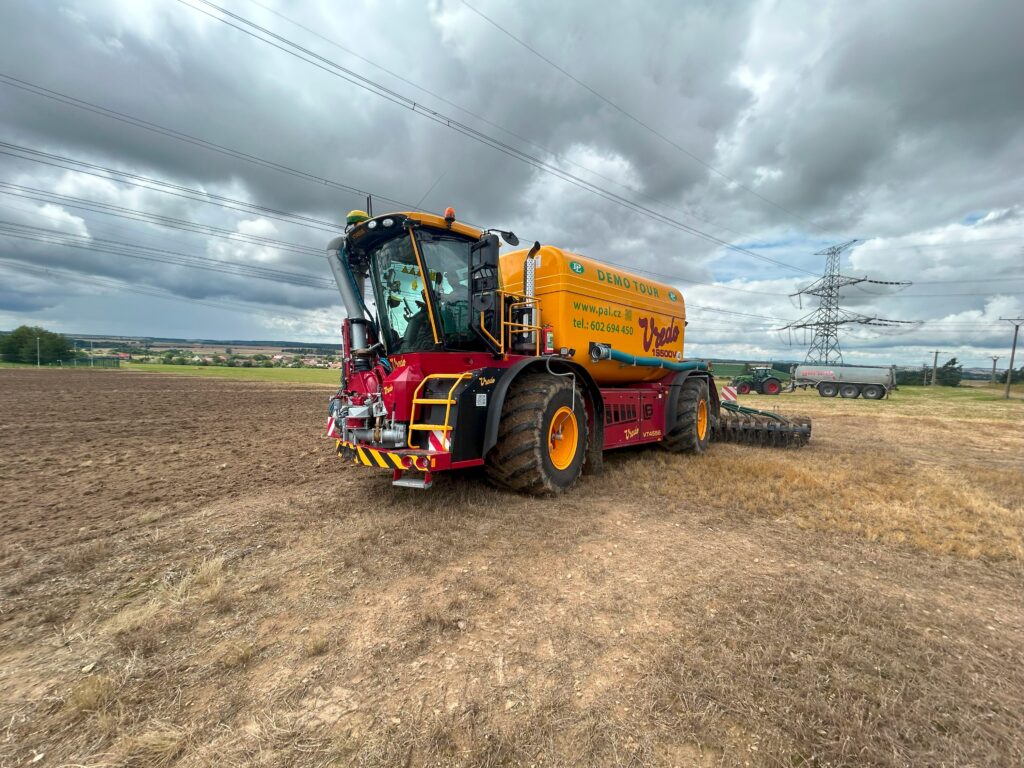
(762, 379)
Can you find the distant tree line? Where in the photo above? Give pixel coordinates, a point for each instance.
(27, 343)
(949, 374)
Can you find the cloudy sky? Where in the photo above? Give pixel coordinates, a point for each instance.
(779, 127)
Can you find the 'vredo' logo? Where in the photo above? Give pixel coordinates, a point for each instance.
(576, 267)
(672, 295)
(656, 336)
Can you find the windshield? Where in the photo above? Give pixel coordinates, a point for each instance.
(401, 292)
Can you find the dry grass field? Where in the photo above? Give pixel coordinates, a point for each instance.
(188, 577)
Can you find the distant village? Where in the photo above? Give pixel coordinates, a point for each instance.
(232, 360)
(231, 355)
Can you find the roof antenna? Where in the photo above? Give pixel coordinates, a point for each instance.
(369, 206)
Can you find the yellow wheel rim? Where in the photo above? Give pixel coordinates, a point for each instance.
(563, 435)
(702, 419)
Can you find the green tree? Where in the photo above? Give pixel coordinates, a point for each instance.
(950, 374)
(20, 346)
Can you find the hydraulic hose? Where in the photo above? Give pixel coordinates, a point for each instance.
(605, 352)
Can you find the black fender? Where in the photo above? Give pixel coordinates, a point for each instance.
(677, 383)
(558, 365)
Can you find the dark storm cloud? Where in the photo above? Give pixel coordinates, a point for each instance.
(889, 119)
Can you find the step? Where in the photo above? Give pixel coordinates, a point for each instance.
(431, 427)
(432, 401)
(419, 483)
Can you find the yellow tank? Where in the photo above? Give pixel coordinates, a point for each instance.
(584, 300)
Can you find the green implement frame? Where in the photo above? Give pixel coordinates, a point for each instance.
(739, 424)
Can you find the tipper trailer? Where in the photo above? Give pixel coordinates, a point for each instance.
(530, 364)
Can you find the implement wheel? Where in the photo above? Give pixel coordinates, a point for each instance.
(689, 428)
(873, 392)
(542, 436)
(828, 389)
(849, 391)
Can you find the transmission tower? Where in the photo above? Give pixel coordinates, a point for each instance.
(826, 319)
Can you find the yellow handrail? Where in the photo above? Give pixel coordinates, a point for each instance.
(506, 327)
(448, 403)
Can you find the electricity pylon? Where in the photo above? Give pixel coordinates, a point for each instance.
(826, 319)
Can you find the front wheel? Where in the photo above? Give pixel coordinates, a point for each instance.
(743, 388)
(542, 437)
(689, 428)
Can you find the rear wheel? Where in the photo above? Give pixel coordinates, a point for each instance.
(873, 392)
(743, 388)
(771, 387)
(689, 428)
(827, 389)
(542, 436)
(849, 391)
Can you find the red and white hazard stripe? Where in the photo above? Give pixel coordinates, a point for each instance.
(438, 440)
(729, 393)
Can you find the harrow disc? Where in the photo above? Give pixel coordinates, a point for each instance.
(749, 426)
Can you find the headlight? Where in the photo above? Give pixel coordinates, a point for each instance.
(372, 225)
(388, 222)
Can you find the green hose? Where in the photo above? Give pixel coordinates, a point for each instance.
(655, 362)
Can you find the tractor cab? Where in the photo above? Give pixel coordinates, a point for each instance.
(417, 270)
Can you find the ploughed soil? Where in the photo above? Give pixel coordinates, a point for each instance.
(188, 576)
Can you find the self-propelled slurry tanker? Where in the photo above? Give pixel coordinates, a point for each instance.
(530, 364)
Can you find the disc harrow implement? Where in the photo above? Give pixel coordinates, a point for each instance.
(749, 426)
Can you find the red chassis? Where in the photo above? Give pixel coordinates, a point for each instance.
(440, 399)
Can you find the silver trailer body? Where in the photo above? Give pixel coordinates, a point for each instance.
(872, 381)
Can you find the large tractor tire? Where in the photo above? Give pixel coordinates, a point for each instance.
(743, 388)
(849, 391)
(771, 387)
(689, 428)
(828, 389)
(542, 436)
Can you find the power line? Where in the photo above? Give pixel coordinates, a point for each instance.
(157, 185)
(389, 94)
(147, 253)
(134, 214)
(936, 295)
(142, 290)
(164, 187)
(483, 119)
(636, 120)
(180, 136)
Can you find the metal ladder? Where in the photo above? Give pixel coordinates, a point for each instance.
(447, 402)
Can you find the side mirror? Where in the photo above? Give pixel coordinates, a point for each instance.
(484, 253)
(509, 237)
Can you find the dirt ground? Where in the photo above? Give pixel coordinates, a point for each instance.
(188, 577)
